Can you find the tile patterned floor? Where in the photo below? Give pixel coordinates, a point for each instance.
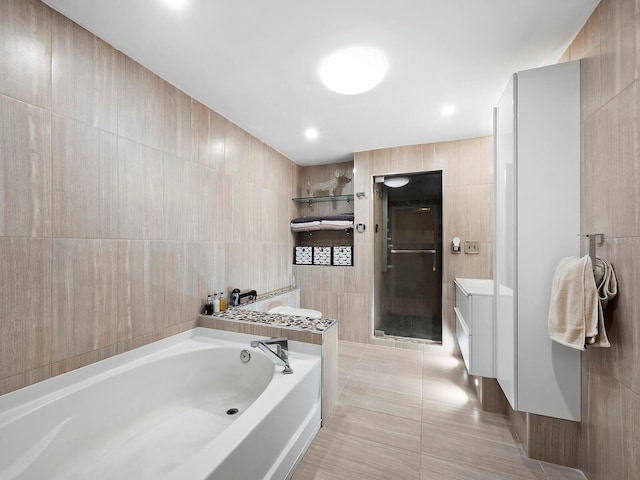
(411, 415)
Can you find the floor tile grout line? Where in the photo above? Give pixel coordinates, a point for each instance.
(523, 464)
(346, 382)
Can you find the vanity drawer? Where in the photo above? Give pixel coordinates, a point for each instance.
(464, 339)
(474, 325)
(463, 304)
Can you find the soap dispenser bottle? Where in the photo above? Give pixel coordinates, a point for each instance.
(223, 302)
(216, 303)
(208, 307)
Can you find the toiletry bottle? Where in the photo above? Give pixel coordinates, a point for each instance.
(223, 302)
(208, 307)
(216, 303)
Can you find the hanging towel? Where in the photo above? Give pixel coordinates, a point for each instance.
(573, 311)
(607, 287)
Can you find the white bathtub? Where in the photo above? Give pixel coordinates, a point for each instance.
(160, 412)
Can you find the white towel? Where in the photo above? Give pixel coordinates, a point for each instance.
(344, 223)
(573, 311)
(305, 226)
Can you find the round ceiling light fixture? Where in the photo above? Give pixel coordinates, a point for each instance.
(353, 70)
(396, 182)
(176, 3)
(448, 110)
(311, 133)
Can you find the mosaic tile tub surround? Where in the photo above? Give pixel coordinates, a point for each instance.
(275, 319)
(246, 312)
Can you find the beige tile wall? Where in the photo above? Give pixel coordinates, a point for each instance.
(123, 201)
(609, 45)
(346, 293)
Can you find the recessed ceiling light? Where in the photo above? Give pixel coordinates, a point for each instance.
(353, 70)
(447, 110)
(311, 133)
(176, 3)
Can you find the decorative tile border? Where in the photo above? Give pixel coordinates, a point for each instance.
(276, 320)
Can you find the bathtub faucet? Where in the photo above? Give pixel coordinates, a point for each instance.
(281, 356)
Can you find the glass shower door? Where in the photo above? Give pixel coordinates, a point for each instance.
(410, 290)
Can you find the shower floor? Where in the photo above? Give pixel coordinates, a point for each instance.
(411, 326)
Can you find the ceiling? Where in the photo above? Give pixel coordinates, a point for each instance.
(255, 62)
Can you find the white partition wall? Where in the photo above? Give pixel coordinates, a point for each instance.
(537, 224)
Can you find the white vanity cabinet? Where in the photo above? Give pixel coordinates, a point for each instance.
(537, 223)
(474, 324)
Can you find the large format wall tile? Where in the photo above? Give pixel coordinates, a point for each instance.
(611, 174)
(25, 170)
(244, 204)
(182, 300)
(178, 131)
(84, 75)
(471, 212)
(84, 296)
(181, 194)
(140, 104)
(218, 271)
(25, 301)
(467, 167)
(141, 308)
(140, 191)
(132, 182)
(609, 48)
(622, 360)
(209, 183)
(237, 153)
(209, 137)
(468, 162)
(85, 180)
(356, 320)
(619, 45)
(242, 266)
(25, 51)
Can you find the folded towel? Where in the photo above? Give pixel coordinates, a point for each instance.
(330, 226)
(339, 217)
(337, 222)
(606, 281)
(305, 224)
(314, 228)
(573, 310)
(301, 227)
(607, 287)
(306, 219)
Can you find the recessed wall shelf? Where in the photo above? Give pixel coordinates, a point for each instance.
(334, 198)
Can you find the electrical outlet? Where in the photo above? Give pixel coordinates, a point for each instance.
(472, 247)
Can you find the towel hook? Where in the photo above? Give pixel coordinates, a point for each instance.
(593, 239)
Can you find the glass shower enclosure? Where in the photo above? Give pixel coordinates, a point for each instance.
(408, 257)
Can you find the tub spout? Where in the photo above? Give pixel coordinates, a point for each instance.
(281, 357)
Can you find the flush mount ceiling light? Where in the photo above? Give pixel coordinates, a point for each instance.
(396, 182)
(176, 3)
(311, 133)
(447, 110)
(353, 70)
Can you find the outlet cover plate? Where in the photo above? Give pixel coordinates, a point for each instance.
(472, 247)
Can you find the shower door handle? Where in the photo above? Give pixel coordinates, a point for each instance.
(429, 250)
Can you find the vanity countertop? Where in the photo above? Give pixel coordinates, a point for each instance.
(475, 286)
